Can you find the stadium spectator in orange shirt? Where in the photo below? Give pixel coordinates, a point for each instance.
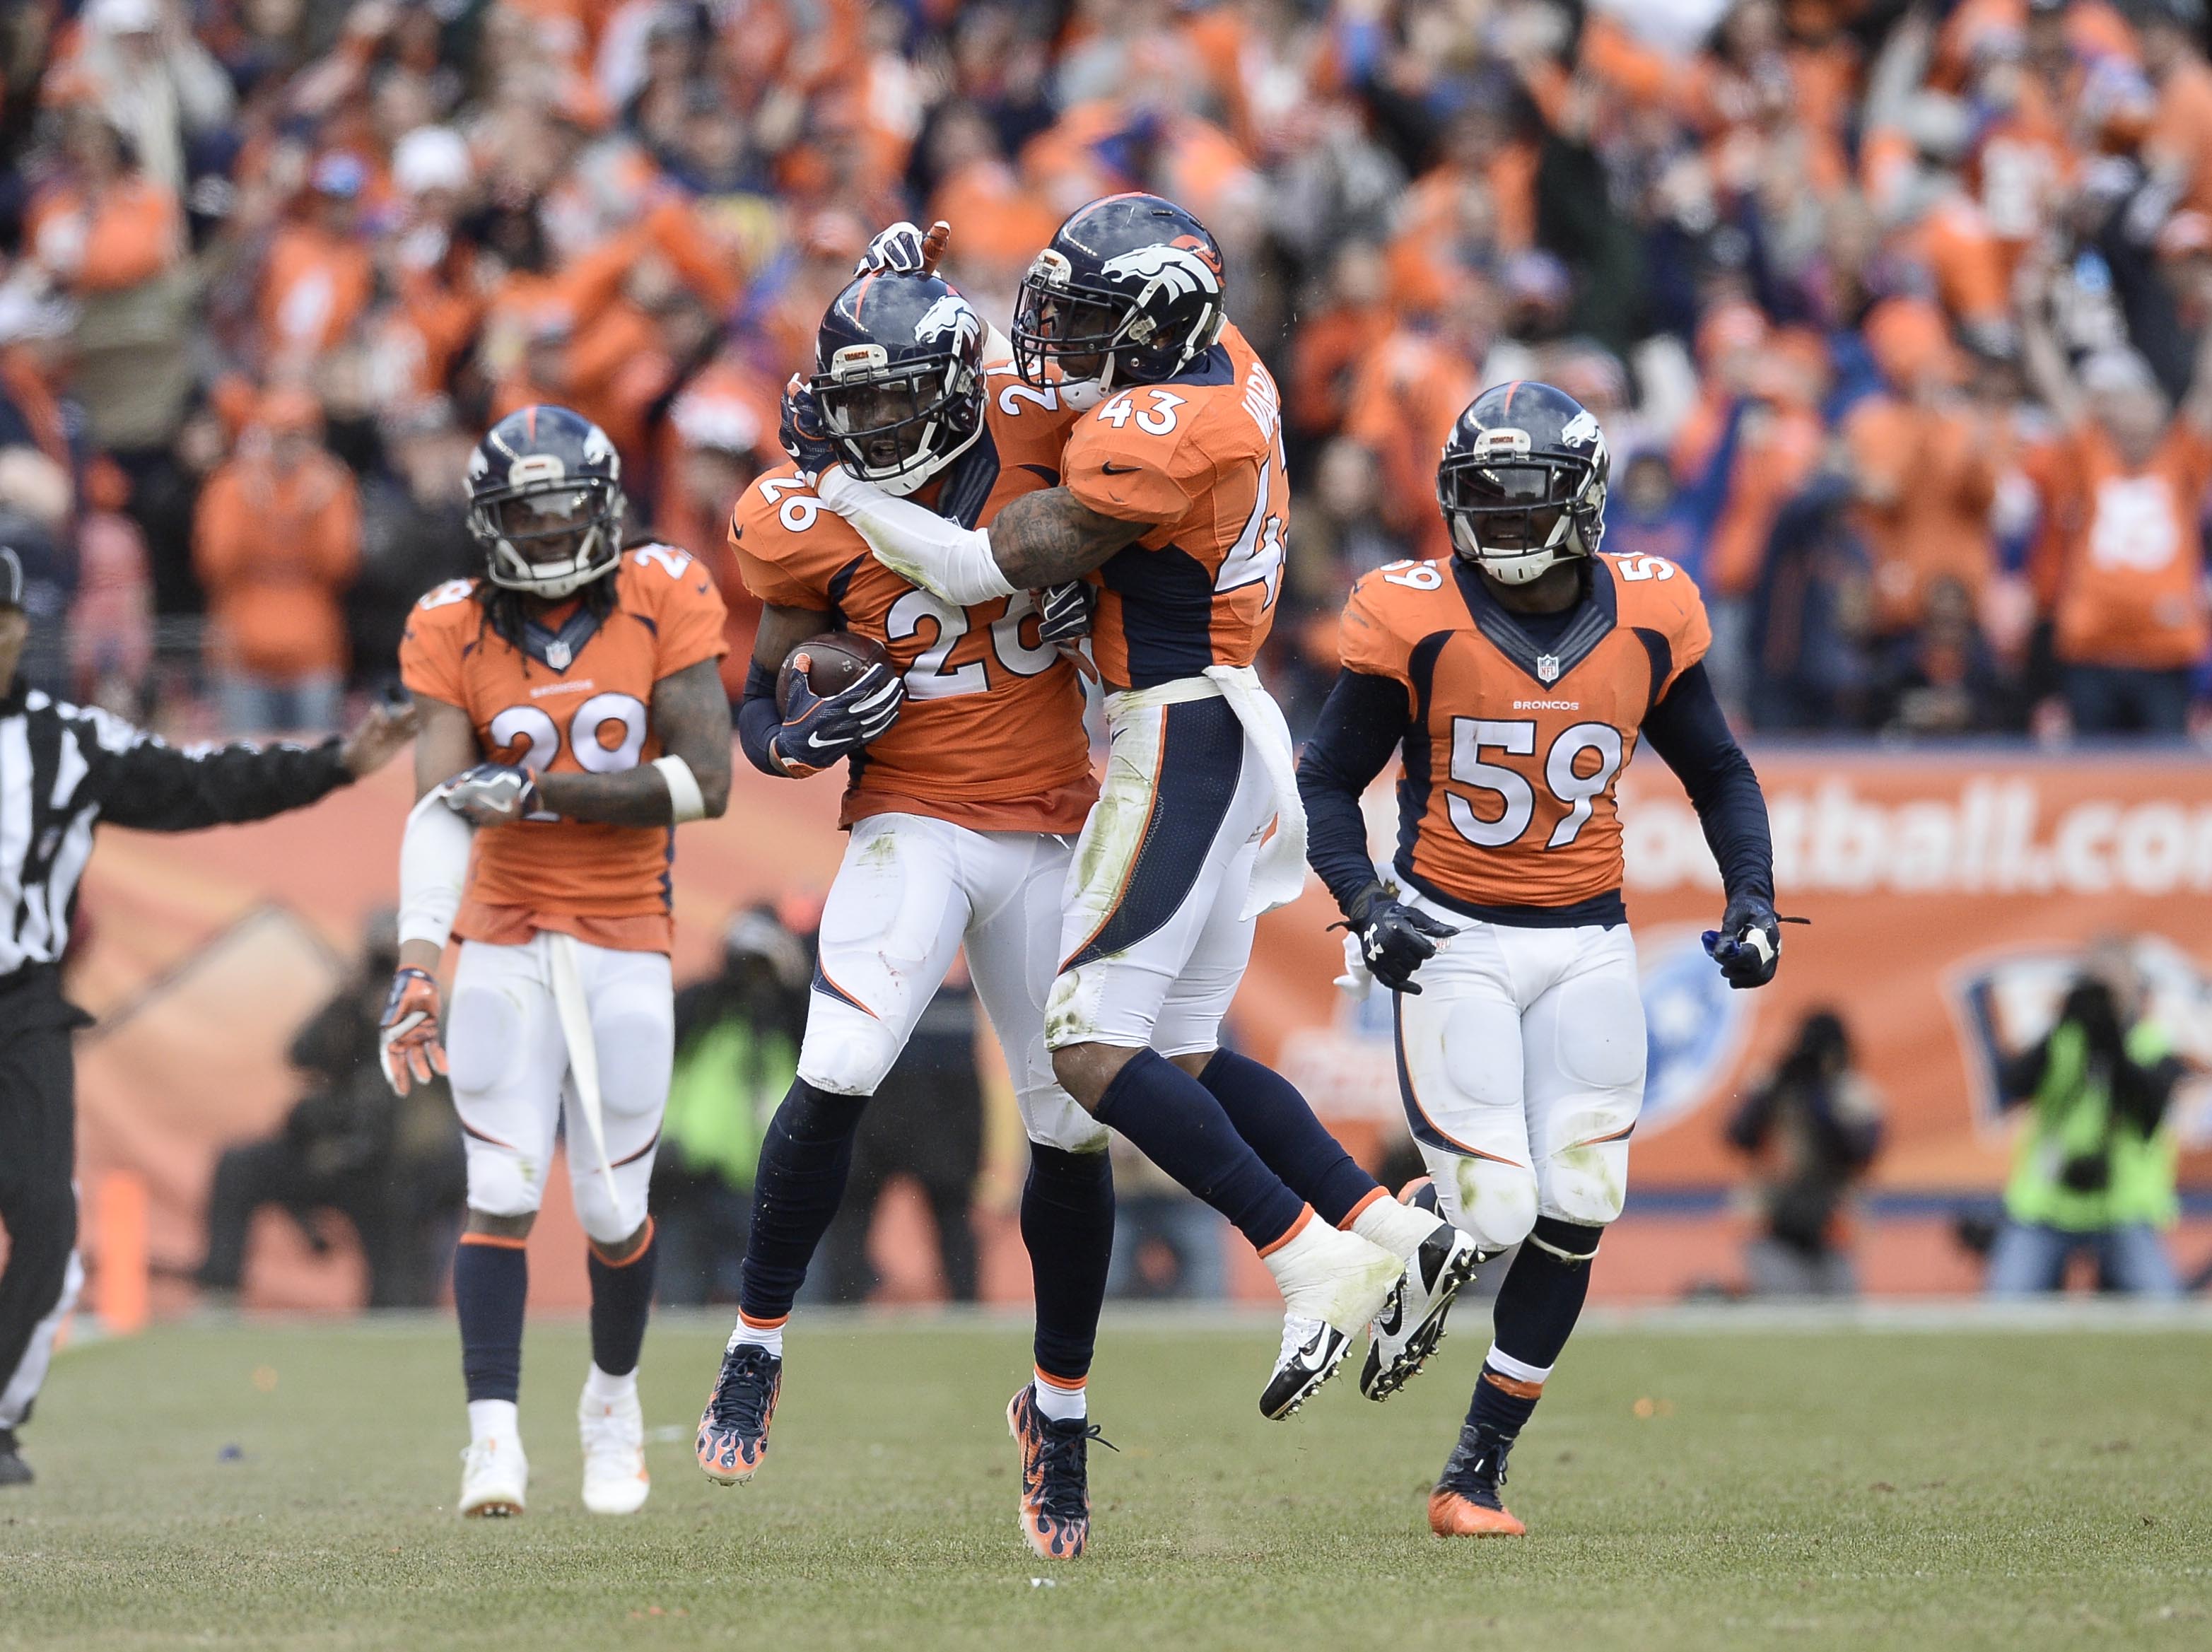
(2124, 576)
(318, 278)
(275, 540)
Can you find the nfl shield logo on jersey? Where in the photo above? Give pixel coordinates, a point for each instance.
(1548, 669)
(558, 653)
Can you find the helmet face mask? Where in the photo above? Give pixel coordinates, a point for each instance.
(899, 378)
(1524, 489)
(545, 502)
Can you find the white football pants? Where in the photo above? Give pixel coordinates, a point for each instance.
(911, 892)
(1521, 1063)
(510, 1078)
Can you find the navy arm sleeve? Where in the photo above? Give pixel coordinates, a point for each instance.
(1687, 730)
(1361, 725)
(758, 718)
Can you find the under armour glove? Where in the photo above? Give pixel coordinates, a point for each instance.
(1747, 946)
(1066, 611)
(1395, 940)
(407, 1039)
(802, 432)
(494, 794)
(819, 730)
(895, 252)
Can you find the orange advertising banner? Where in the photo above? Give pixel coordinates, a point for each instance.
(1950, 894)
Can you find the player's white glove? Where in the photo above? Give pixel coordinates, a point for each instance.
(896, 250)
(493, 794)
(408, 1041)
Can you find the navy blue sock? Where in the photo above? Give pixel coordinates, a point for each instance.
(804, 1159)
(1537, 1307)
(1067, 1223)
(1174, 1121)
(622, 1297)
(1273, 1118)
(491, 1282)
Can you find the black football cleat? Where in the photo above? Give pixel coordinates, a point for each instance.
(1465, 1503)
(14, 1471)
(1056, 1512)
(734, 1432)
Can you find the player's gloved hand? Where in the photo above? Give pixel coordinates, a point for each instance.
(1066, 610)
(1395, 940)
(896, 250)
(802, 432)
(820, 729)
(493, 794)
(1747, 946)
(407, 1039)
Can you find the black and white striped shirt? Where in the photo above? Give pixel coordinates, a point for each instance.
(65, 769)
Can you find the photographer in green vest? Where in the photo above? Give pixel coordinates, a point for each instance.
(2093, 1169)
(737, 1048)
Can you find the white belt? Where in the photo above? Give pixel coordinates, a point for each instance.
(1278, 872)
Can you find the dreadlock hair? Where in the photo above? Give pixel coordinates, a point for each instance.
(504, 613)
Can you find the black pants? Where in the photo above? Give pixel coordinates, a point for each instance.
(38, 1201)
(2113, 699)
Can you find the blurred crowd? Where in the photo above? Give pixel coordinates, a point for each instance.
(1893, 313)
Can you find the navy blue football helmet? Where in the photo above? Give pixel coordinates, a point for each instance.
(545, 502)
(1523, 481)
(1129, 292)
(898, 373)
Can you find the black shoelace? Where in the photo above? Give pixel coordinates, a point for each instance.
(741, 1402)
(1060, 1462)
(1477, 1467)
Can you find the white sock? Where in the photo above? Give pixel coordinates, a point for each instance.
(490, 1417)
(603, 1390)
(767, 1336)
(1060, 1404)
(1401, 1229)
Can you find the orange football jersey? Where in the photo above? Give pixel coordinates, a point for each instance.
(579, 701)
(991, 737)
(1200, 459)
(1507, 798)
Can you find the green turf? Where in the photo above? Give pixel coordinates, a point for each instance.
(1998, 1490)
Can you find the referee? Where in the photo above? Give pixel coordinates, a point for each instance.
(63, 770)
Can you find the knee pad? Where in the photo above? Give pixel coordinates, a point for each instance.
(635, 1061)
(608, 1218)
(1586, 1183)
(1053, 1118)
(483, 1031)
(502, 1181)
(846, 1051)
(1493, 1203)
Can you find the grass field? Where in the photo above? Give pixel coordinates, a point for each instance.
(252, 1486)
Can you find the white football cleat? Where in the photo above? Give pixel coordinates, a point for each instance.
(1333, 1283)
(494, 1475)
(613, 1435)
(1411, 1322)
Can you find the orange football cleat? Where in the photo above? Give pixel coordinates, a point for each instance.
(1451, 1515)
(1055, 1480)
(734, 1434)
(1465, 1503)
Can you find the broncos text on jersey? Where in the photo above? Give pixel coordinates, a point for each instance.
(1508, 794)
(991, 737)
(1200, 458)
(576, 700)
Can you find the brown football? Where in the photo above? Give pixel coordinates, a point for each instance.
(832, 661)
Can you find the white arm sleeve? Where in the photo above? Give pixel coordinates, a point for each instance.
(915, 542)
(434, 865)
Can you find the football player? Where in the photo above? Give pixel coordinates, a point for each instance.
(970, 775)
(1516, 679)
(572, 717)
(1173, 500)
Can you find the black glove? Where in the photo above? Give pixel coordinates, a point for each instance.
(819, 731)
(1066, 611)
(1395, 940)
(802, 432)
(1747, 946)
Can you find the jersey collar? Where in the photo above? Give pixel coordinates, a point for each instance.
(558, 650)
(968, 481)
(1592, 622)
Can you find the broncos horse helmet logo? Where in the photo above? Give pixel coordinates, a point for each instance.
(950, 314)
